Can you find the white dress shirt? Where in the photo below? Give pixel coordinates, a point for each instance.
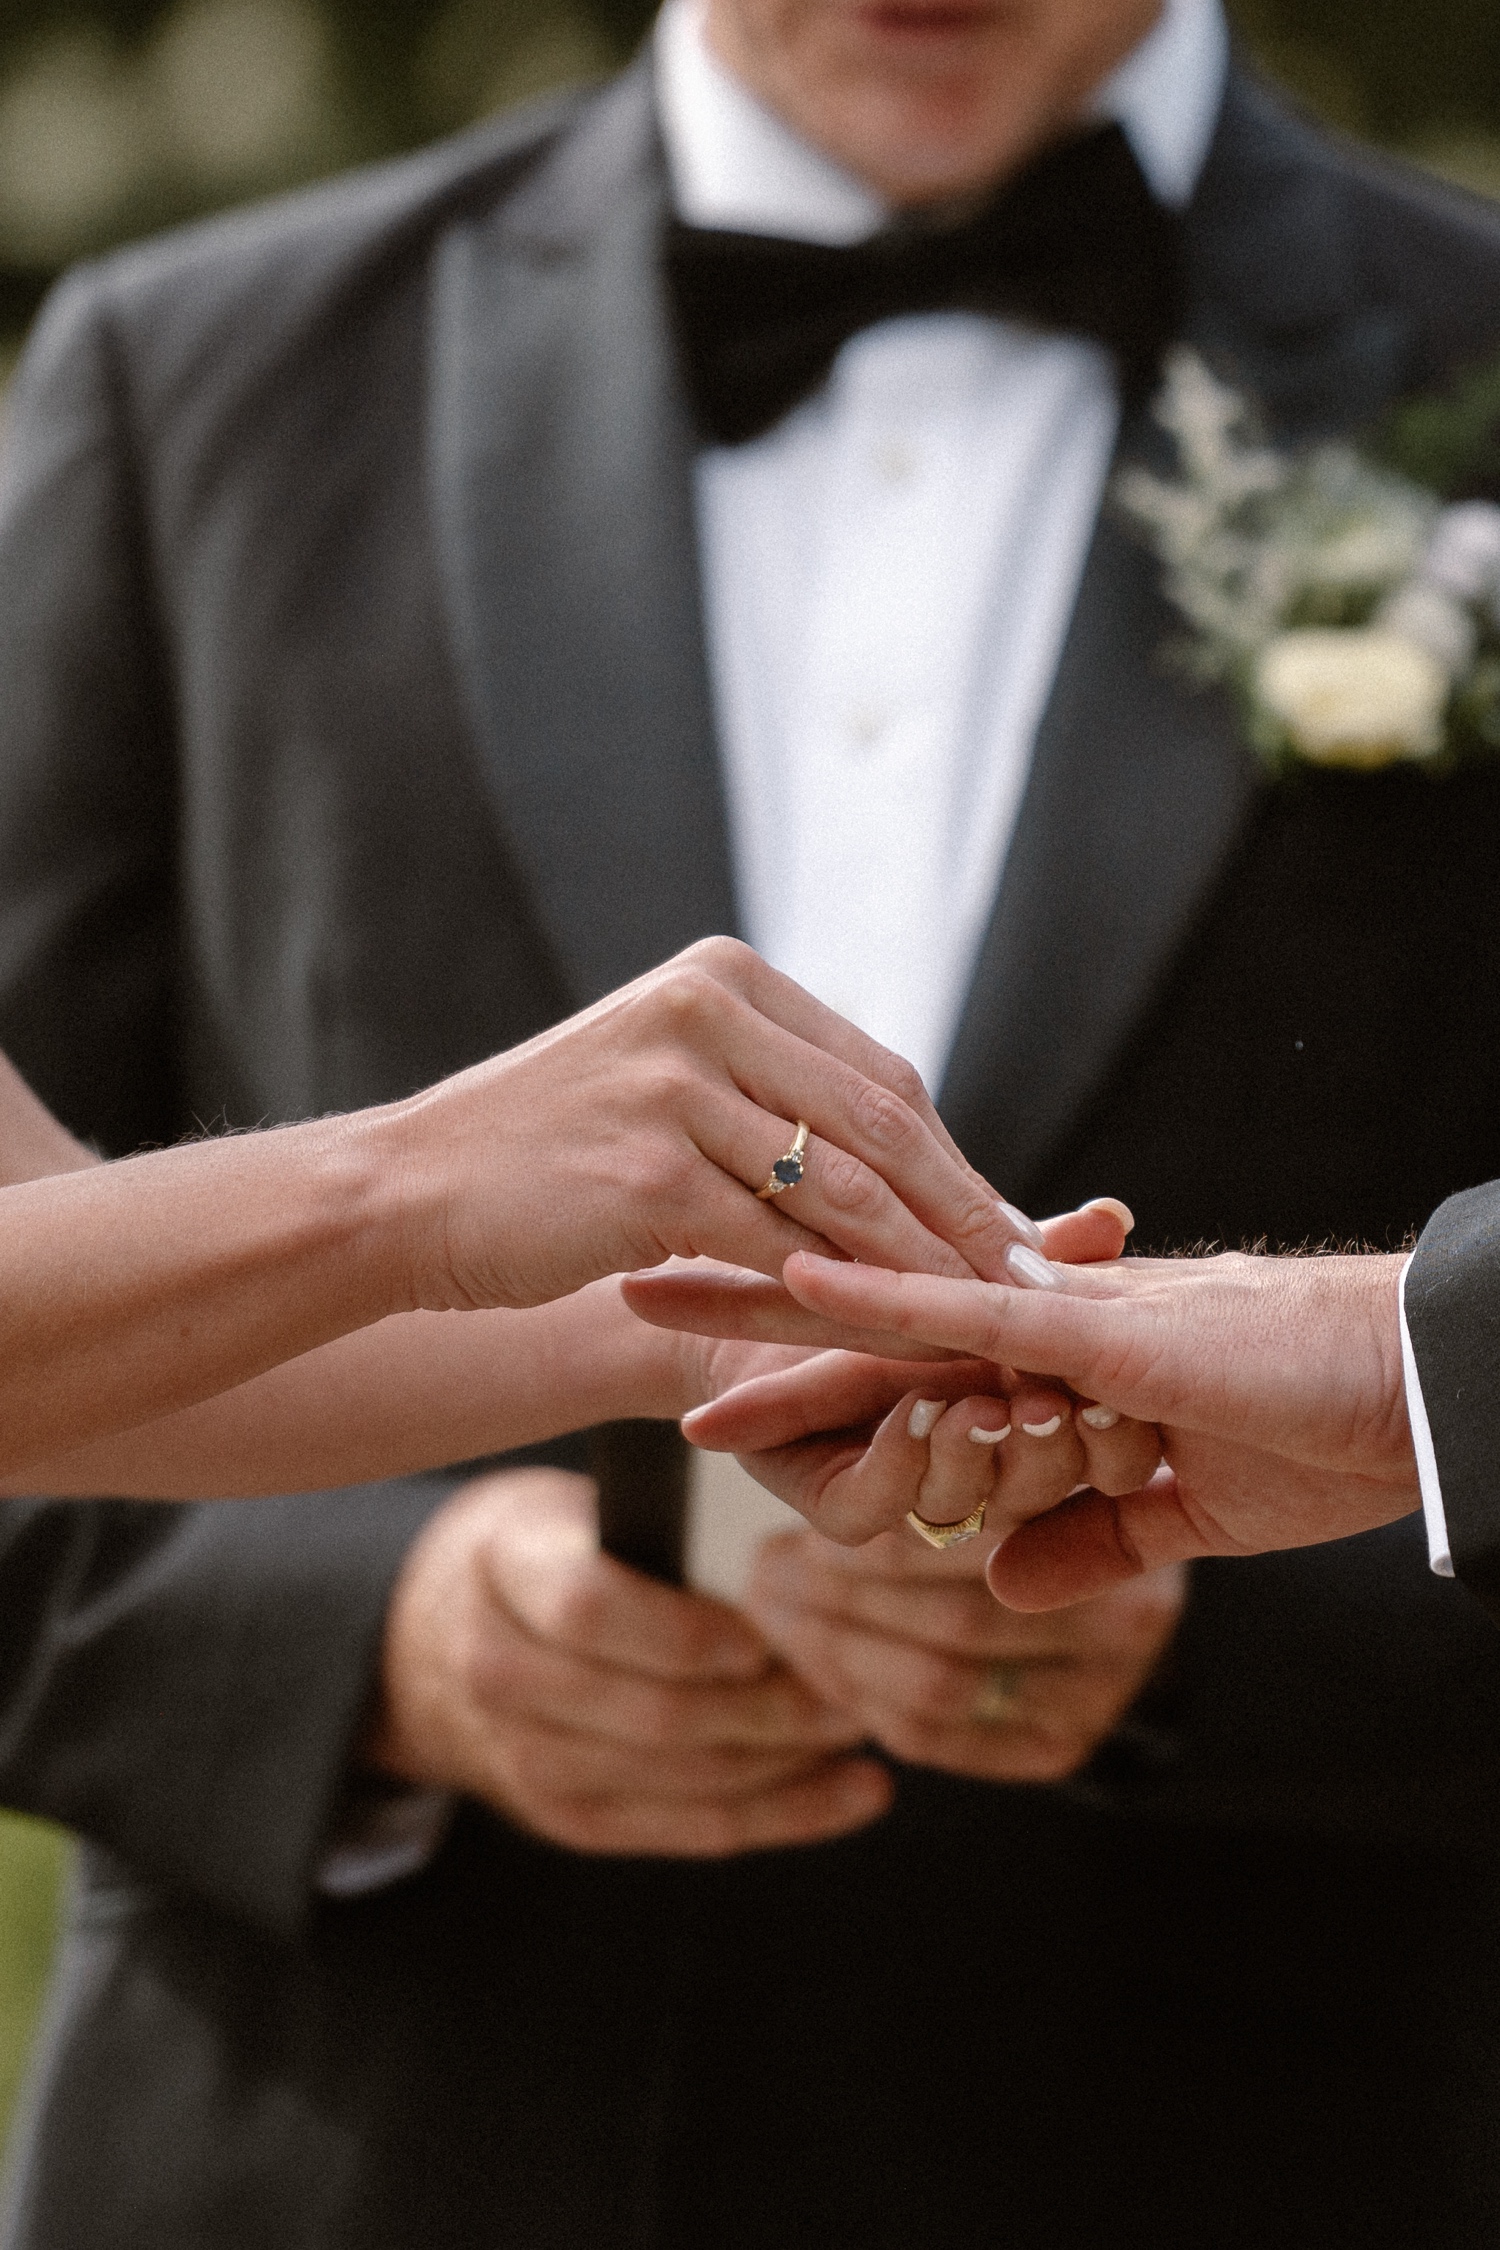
(890, 571)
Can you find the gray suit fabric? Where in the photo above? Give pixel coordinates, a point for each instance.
(356, 724)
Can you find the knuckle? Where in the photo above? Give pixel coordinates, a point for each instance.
(667, 1088)
(720, 954)
(882, 1116)
(903, 1078)
(849, 1186)
(688, 997)
(668, 1163)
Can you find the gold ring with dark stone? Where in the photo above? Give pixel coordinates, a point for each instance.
(788, 1169)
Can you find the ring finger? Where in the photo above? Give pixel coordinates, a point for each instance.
(835, 1195)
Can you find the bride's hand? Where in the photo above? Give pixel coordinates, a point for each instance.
(644, 1128)
(855, 1443)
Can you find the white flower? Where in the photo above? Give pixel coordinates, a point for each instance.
(1358, 696)
(1463, 556)
(1424, 613)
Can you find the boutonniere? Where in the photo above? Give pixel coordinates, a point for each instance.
(1354, 614)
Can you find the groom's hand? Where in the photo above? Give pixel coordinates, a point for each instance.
(593, 1706)
(914, 1647)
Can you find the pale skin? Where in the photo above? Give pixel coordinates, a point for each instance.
(1275, 1383)
(133, 1291)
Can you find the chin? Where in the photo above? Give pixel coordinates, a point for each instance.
(928, 145)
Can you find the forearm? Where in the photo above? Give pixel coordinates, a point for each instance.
(133, 1289)
(410, 1393)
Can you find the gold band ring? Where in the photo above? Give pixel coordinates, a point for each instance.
(788, 1169)
(1000, 1693)
(942, 1535)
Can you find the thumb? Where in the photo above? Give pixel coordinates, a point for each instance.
(1090, 1543)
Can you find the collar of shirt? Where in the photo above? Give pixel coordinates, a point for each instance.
(734, 163)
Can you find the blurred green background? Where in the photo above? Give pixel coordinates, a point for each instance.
(118, 116)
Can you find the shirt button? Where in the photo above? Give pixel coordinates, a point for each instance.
(895, 461)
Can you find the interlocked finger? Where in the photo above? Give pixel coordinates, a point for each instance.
(846, 1794)
(541, 1760)
(963, 1455)
(1119, 1455)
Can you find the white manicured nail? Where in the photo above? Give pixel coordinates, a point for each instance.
(1043, 1429)
(1019, 1224)
(1099, 1417)
(925, 1417)
(980, 1436)
(1029, 1269)
(1122, 1211)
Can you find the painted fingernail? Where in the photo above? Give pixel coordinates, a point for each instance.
(978, 1435)
(1043, 1429)
(1029, 1269)
(1099, 1417)
(1122, 1211)
(925, 1417)
(1019, 1224)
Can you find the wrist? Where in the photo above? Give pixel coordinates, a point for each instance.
(408, 1244)
(652, 1374)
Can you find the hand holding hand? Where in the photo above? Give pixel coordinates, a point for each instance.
(911, 1645)
(856, 1442)
(593, 1706)
(1276, 1384)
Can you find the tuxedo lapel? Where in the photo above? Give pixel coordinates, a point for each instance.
(1141, 785)
(562, 465)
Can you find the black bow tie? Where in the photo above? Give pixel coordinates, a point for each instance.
(1076, 242)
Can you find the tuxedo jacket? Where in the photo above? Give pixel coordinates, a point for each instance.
(1453, 1316)
(356, 723)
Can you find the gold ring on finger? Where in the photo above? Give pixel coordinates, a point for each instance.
(787, 1170)
(942, 1535)
(999, 1694)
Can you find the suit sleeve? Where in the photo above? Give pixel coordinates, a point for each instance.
(182, 1684)
(1453, 1318)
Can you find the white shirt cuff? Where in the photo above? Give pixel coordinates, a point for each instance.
(1438, 1552)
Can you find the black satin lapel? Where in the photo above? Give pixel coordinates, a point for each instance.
(1141, 783)
(563, 472)
(1139, 789)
